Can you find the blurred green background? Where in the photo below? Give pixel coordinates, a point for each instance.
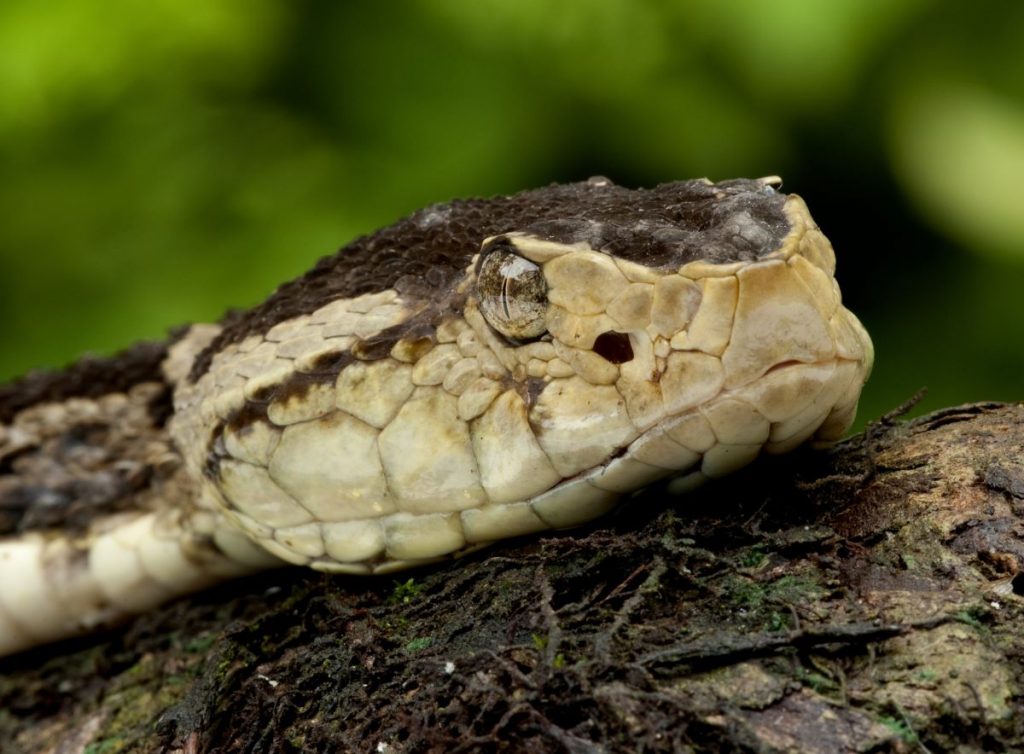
(164, 160)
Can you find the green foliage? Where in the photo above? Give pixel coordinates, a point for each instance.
(163, 161)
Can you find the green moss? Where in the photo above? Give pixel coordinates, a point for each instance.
(419, 644)
(972, 617)
(405, 592)
(899, 727)
(816, 681)
(395, 625)
(767, 605)
(776, 621)
(200, 644)
(106, 746)
(749, 594)
(796, 589)
(753, 557)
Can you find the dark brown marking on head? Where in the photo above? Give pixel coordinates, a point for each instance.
(211, 467)
(412, 348)
(330, 363)
(425, 255)
(264, 394)
(298, 385)
(421, 326)
(216, 450)
(374, 349)
(250, 413)
(530, 390)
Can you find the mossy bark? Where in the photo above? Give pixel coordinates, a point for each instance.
(863, 599)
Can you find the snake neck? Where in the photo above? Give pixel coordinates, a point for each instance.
(99, 517)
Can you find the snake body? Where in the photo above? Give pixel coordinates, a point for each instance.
(482, 369)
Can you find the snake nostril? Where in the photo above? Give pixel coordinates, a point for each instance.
(614, 347)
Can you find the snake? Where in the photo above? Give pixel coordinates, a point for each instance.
(480, 370)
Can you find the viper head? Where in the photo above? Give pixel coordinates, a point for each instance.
(487, 368)
(686, 336)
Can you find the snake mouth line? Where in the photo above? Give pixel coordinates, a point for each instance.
(692, 453)
(784, 365)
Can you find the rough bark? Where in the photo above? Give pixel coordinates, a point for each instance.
(861, 600)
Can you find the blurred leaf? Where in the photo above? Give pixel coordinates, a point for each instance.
(591, 46)
(959, 149)
(692, 128)
(59, 53)
(797, 55)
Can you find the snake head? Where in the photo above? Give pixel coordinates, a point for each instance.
(685, 337)
(490, 368)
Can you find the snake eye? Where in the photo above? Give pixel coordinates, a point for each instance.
(513, 294)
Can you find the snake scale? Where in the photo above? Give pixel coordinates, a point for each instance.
(479, 370)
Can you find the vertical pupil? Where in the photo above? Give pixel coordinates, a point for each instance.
(505, 293)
